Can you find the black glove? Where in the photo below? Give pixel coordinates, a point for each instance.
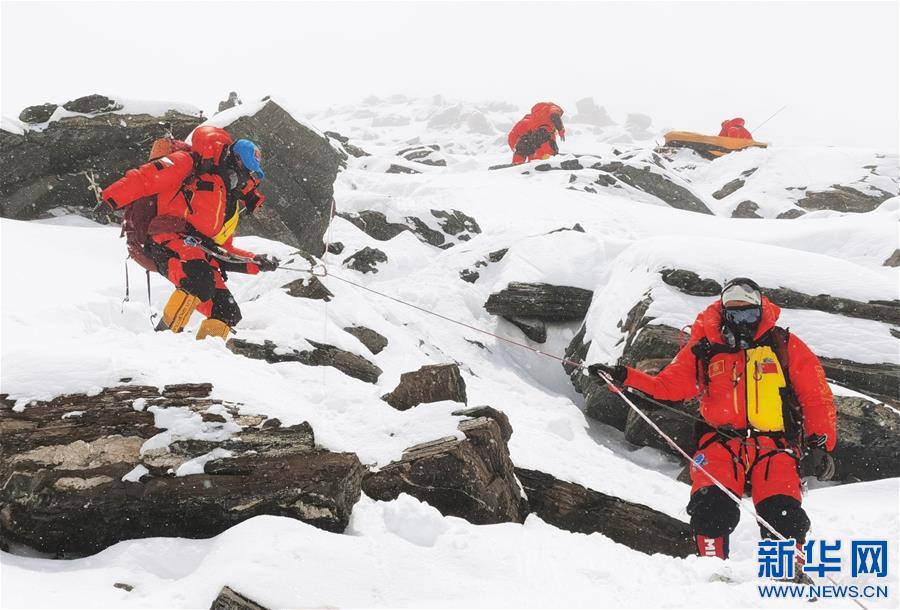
(618, 372)
(266, 263)
(819, 457)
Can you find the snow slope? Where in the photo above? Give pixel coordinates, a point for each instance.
(66, 329)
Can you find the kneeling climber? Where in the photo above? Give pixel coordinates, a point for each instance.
(734, 128)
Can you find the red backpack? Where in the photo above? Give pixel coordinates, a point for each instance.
(138, 215)
(208, 146)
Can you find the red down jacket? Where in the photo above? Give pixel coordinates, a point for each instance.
(735, 392)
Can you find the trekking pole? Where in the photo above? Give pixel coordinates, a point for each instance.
(610, 382)
(769, 119)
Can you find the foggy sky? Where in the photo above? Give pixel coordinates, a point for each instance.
(687, 64)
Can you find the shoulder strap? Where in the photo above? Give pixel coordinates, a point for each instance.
(779, 338)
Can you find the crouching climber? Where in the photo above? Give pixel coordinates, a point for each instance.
(534, 136)
(734, 128)
(182, 210)
(763, 397)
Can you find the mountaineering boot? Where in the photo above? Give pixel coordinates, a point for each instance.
(177, 311)
(213, 328)
(712, 547)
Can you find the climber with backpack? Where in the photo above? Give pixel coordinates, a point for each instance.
(764, 404)
(534, 136)
(734, 128)
(181, 212)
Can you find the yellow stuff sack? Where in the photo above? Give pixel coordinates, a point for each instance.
(765, 379)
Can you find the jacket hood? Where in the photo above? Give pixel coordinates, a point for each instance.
(709, 322)
(209, 142)
(736, 122)
(546, 108)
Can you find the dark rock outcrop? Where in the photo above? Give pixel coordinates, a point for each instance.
(93, 104)
(655, 184)
(689, 282)
(544, 301)
(468, 275)
(472, 478)
(431, 383)
(452, 223)
(491, 413)
(843, 199)
(375, 224)
(881, 381)
(728, 189)
(374, 342)
(868, 445)
(229, 599)
(880, 311)
(366, 260)
(571, 507)
(893, 260)
(746, 209)
(401, 169)
(533, 328)
(38, 114)
(44, 170)
(426, 155)
(350, 364)
(457, 223)
(308, 288)
(75, 478)
(790, 214)
(301, 166)
(344, 142)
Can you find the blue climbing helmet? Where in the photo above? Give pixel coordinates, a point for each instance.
(249, 155)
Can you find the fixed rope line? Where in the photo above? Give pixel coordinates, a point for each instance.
(610, 383)
(459, 322)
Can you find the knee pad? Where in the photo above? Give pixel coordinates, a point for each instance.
(225, 308)
(713, 513)
(786, 515)
(198, 279)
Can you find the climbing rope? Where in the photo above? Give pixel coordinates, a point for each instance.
(611, 384)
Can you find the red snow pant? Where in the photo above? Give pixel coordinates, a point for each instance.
(195, 272)
(763, 462)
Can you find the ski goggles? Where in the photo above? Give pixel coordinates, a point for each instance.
(743, 316)
(740, 291)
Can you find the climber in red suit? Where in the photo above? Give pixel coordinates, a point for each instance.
(762, 391)
(734, 128)
(534, 137)
(200, 195)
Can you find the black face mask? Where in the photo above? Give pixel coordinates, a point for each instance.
(741, 323)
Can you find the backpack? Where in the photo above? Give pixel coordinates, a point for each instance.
(138, 215)
(209, 144)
